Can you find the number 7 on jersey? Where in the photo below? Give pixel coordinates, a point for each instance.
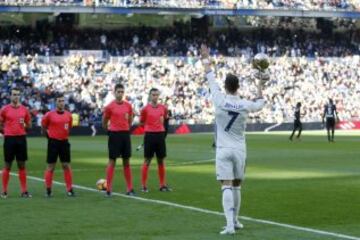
(233, 115)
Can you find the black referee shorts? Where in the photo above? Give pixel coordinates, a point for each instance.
(330, 123)
(119, 144)
(154, 143)
(15, 147)
(297, 124)
(58, 149)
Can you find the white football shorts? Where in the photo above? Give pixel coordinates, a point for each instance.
(230, 163)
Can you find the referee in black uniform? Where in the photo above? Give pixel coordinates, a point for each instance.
(297, 122)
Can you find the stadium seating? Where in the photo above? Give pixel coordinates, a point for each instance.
(87, 84)
(277, 37)
(303, 60)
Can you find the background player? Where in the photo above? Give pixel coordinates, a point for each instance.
(120, 114)
(330, 114)
(14, 119)
(57, 124)
(153, 117)
(231, 114)
(297, 122)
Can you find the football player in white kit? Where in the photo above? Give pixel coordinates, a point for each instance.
(231, 114)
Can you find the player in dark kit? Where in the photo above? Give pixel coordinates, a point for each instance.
(332, 117)
(153, 117)
(120, 114)
(57, 124)
(297, 122)
(14, 120)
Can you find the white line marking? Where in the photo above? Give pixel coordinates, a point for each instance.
(272, 127)
(195, 209)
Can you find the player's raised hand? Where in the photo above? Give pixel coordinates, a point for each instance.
(205, 55)
(204, 51)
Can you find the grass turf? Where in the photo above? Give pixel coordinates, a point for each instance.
(310, 183)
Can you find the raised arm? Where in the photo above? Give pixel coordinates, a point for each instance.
(216, 94)
(259, 102)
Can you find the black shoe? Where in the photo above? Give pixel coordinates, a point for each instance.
(131, 193)
(108, 194)
(144, 190)
(48, 193)
(4, 195)
(165, 189)
(70, 193)
(26, 195)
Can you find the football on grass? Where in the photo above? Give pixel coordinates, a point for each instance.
(261, 61)
(101, 185)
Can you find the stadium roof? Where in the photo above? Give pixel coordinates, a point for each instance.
(182, 11)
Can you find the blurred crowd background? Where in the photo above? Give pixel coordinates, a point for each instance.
(312, 59)
(88, 84)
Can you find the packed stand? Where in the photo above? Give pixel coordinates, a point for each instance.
(178, 41)
(88, 84)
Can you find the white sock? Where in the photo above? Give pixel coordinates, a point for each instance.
(237, 202)
(228, 205)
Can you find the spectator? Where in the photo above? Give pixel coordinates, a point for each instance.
(181, 82)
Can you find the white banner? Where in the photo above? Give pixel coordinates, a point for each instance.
(88, 53)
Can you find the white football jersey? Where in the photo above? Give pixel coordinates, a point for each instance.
(231, 114)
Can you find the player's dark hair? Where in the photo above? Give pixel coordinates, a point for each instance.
(119, 86)
(59, 95)
(15, 89)
(153, 90)
(231, 83)
(298, 104)
(331, 101)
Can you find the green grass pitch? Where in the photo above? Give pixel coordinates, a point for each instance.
(311, 184)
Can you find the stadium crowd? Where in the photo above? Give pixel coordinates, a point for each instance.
(304, 59)
(261, 4)
(179, 41)
(87, 84)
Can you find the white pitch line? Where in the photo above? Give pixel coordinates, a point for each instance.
(272, 127)
(196, 209)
